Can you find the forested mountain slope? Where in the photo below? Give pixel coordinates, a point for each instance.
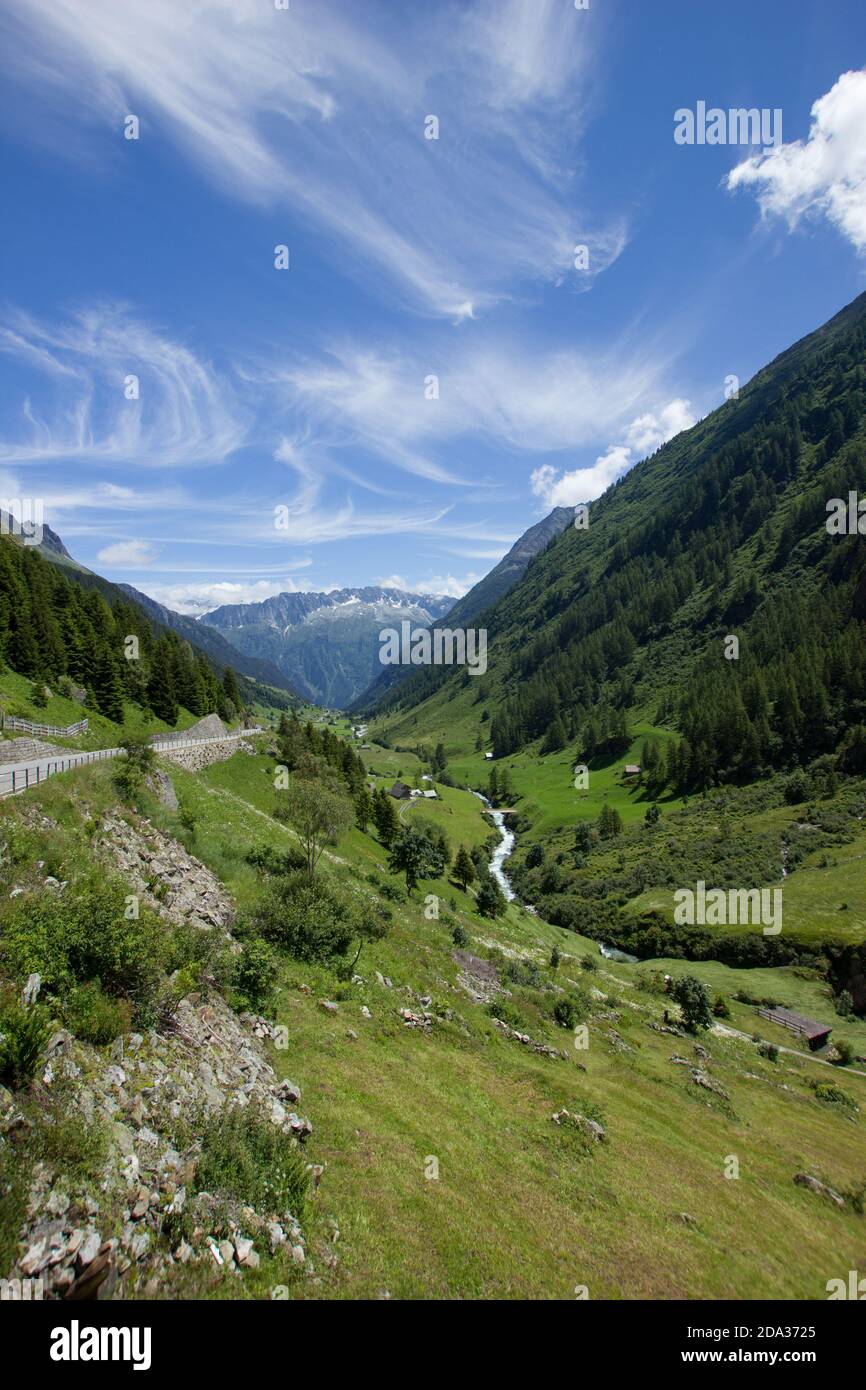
(61, 625)
(721, 534)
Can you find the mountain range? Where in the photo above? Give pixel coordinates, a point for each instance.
(325, 644)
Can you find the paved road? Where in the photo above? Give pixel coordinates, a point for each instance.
(18, 777)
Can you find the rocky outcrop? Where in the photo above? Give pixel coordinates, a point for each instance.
(591, 1128)
(85, 1241)
(820, 1189)
(166, 877)
(479, 978)
(541, 1048)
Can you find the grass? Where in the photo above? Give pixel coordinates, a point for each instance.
(521, 1208)
(15, 699)
(517, 1212)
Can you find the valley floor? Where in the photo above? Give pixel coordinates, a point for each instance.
(444, 1173)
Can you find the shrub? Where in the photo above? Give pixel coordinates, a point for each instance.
(306, 917)
(720, 1007)
(61, 1137)
(830, 1094)
(460, 936)
(565, 1013)
(85, 935)
(524, 972)
(768, 1050)
(246, 1157)
(24, 1032)
(275, 861)
(588, 963)
(94, 1016)
(254, 973)
(845, 1050)
(133, 769)
(497, 1008)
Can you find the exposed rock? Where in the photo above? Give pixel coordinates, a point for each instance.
(819, 1188)
(591, 1128)
(478, 978)
(163, 788)
(172, 882)
(541, 1048)
(700, 1078)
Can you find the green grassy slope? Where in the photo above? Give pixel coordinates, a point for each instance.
(522, 1208)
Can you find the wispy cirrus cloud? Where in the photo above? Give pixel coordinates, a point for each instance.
(323, 108)
(112, 389)
(413, 411)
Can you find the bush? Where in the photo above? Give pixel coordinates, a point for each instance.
(460, 936)
(246, 1157)
(94, 1016)
(524, 972)
(133, 769)
(505, 1013)
(588, 963)
(720, 1007)
(275, 861)
(84, 936)
(24, 1032)
(565, 1013)
(306, 917)
(846, 1052)
(768, 1050)
(254, 974)
(833, 1095)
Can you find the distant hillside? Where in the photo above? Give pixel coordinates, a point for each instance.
(721, 534)
(325, 644)
(480, 597)
(257, 681)
(220, 652)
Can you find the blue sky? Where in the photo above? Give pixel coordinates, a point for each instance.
(307, 389)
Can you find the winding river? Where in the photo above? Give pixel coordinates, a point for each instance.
(502, 851)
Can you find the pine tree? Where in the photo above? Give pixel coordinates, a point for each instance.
(363, 808)
(230, 689)
(385, 817)
(464, 869)
(108, 686)
(160, 688)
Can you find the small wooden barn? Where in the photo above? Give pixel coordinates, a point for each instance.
(816, 1034)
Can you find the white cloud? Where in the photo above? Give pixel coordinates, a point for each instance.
(183, 414)
(127, 555)
(204, 597)
(307, 109)
(452, 586)
(823, 175)
(645, 434)
(447, 584)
